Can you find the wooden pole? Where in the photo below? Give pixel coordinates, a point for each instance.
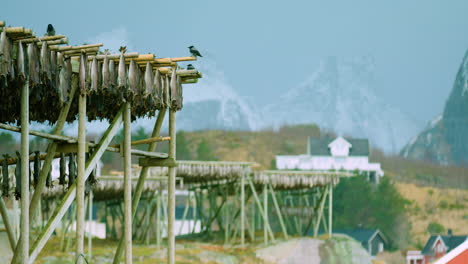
(6, 222)
(24, 226)
(141, 180)
(127, 183)
(80, 182)
(171, 189)
(330, 211)
(265, 213)
(90, 220)
(158, 220)
(242, 198)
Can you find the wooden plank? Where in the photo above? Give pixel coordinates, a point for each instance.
(155, 162)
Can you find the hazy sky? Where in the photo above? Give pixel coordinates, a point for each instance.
(266, 47)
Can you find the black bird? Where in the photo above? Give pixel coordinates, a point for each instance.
(190, 67)
(50, 30)
(194, 52)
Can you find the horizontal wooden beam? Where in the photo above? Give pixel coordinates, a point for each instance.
(152, 162)
(159, 155)
(43, 39)
(40, 134)
(150, 140)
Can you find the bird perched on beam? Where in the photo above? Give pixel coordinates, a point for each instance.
(194, 52)
(190, 67)
(50, 30)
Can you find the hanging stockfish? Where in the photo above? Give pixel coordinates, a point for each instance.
(34, 69)
(45, 64)
(68, 78)
(158, 90)
(20, 63)
(105, 73)
(83, 74)
(133, 81)
(18, 176)
(3, 59)
(179, 100)
(63, 80)
(94, 75)
(71, 169)
(63, 169)
(122, 77)
(148, 92)
(167, 93)
(37, 168)
(91, 181)
(112, 76)
(173, 89)
(54, 71)
(6, 178)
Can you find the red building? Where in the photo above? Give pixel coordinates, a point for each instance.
(458, 255)
(436, 247)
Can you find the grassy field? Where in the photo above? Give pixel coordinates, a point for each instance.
(446, 206)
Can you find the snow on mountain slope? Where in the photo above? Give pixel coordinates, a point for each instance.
(212, 103)
(340, 96)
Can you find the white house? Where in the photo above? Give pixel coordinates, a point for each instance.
(333, 154)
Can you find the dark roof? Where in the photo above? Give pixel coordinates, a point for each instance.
(361, 235)
(319, 146)
(450, 241)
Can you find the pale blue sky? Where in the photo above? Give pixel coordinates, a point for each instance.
(266, 47)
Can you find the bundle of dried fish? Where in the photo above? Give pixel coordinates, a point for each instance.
(63, 164)
(18, 176)
(37, 168)
(71, 169)
(6, 178)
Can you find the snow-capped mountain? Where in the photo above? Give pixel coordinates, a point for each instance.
(445, 140)
(214, 104)
(340, 96)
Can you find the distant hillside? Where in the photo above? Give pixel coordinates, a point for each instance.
(445, 139)
(263, 146)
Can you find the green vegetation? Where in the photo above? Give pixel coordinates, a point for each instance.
(435, 228)
(205, 151)
(357, 202)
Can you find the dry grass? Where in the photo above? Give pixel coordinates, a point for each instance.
(446, 206)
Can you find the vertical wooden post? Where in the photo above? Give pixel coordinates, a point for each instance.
(80, 182)
(90, 220)
(141, 181)
(242, 210)
(24, 225)
(330, 211)
(265, 213)
(147, 220)
(171, 189)
(127, 183)
(253, 222)
(158, 220)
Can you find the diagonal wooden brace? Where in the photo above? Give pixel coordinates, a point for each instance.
(71, 193)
